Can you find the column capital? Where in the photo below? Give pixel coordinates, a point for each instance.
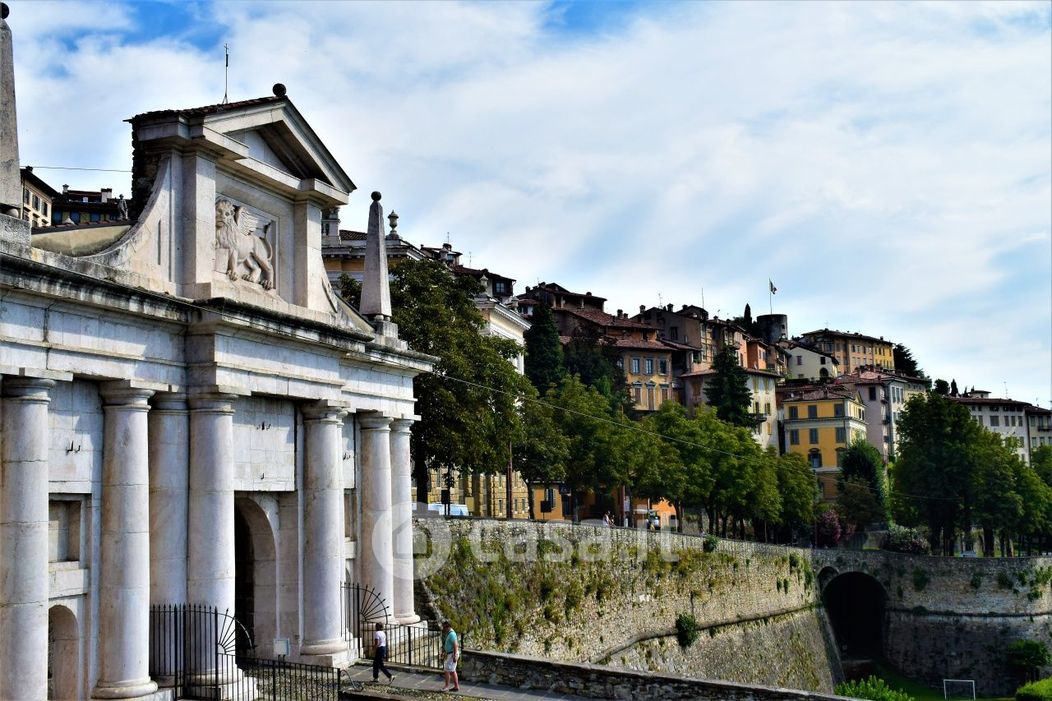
(323, 411)
(121, 393)
(374, 421)
(402, 425)
(212, 402)
(169, 403)
(29, 389)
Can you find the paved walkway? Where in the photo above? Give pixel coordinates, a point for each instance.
(418, 682)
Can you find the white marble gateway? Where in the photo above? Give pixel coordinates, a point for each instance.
(188, 411)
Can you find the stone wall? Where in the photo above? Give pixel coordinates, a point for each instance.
(593, 681)
(953, 618)
(796, 649)
(586, 594)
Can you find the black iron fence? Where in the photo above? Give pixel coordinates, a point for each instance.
(418, 645)
(203, 653)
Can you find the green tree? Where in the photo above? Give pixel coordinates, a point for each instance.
(594, 360)
(799, 492)
(541, 450)
(936, 466)
(858, 503)
(905, 362)
(863, 462)
(728, 390)
(469, 405)
(544, 352)
(1028, 656)
(351, 290)
(942, 388)
(1041, 461)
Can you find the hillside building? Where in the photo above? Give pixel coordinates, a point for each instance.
(852, 350)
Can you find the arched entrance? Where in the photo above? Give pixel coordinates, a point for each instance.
(63, 660)
(856, 603)
(255, 575)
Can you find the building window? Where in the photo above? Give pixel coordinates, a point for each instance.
(816, 459)
(822, 360)
(872, 393)
(838, 410)
(799, 360)
(663, 367)
(841, 435)
(995, 420)
(794, 412)
(794, 437)
(756, 407)
(812, 436)
(664, 393)
(637, 393)
(44, 208)
(812, 411)
(25, 196)
(635, 366)
(673, 333)
(767, 408)
(650, 366)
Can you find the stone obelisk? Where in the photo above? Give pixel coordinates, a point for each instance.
(376, 288)
(10, 177)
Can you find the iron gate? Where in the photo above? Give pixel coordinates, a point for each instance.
(203, 653)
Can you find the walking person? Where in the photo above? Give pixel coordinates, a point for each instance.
(380, 653)
(452, 647)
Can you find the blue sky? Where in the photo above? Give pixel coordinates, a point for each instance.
(888, 165)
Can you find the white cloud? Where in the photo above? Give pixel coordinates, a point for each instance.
(886, 164)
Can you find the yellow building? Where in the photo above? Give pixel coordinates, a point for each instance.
(36, 199)
(852, 350)
(820, 422)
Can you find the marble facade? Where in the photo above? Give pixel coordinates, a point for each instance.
(189, 414)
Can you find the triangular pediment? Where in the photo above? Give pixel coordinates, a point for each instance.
(277, 135)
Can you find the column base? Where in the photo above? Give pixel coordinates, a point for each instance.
(407, 619)
(139, 689)
(326, 655)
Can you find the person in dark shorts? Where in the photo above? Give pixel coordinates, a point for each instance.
(380, 653)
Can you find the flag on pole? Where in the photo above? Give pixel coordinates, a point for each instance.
(773, 288)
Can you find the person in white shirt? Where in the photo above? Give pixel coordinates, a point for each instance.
(380, 653)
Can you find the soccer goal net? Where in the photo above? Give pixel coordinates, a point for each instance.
(956, 689)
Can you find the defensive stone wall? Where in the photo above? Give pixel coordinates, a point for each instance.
(954, 617)
(586, 594)
(592, 681)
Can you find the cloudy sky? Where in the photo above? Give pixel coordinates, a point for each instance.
(888, 166)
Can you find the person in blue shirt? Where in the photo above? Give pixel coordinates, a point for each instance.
(452, 648)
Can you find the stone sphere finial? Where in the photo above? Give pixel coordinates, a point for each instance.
(4, 10)
(279, 90)
(376, 196)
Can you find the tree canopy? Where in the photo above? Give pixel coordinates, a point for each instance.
(904, 361)
(544, 352)
(728, 390)
(469, 405)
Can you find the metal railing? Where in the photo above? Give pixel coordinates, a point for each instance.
(203, 653)
(416, 645)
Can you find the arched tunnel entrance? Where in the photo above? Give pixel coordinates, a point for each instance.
(856, 603)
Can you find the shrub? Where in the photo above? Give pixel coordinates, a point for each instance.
(710, 543)
(872, 688)
(686, 630)
(1004, 581)
(977, 580)
(827, 530)
(905, 540)
(1035, 691)
(1028, 656)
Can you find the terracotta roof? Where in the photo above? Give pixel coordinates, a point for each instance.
(813, 394)
(640, 344)
(604, 319)
(352, 235)
(988, 400)
(209, 109)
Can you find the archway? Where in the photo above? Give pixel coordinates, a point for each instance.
(255, 575)
(63, 660)
(856, 603)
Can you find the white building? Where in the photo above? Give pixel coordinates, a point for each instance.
(1005, 417)
(1040, 427)
(806, 362)
(190, 415)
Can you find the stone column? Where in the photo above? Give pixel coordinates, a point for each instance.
(169, 430)
(169, 452)
(323, 528)
(24, 538)
(210, 548)
(402, 518)
(124, 569)
(375, 549)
